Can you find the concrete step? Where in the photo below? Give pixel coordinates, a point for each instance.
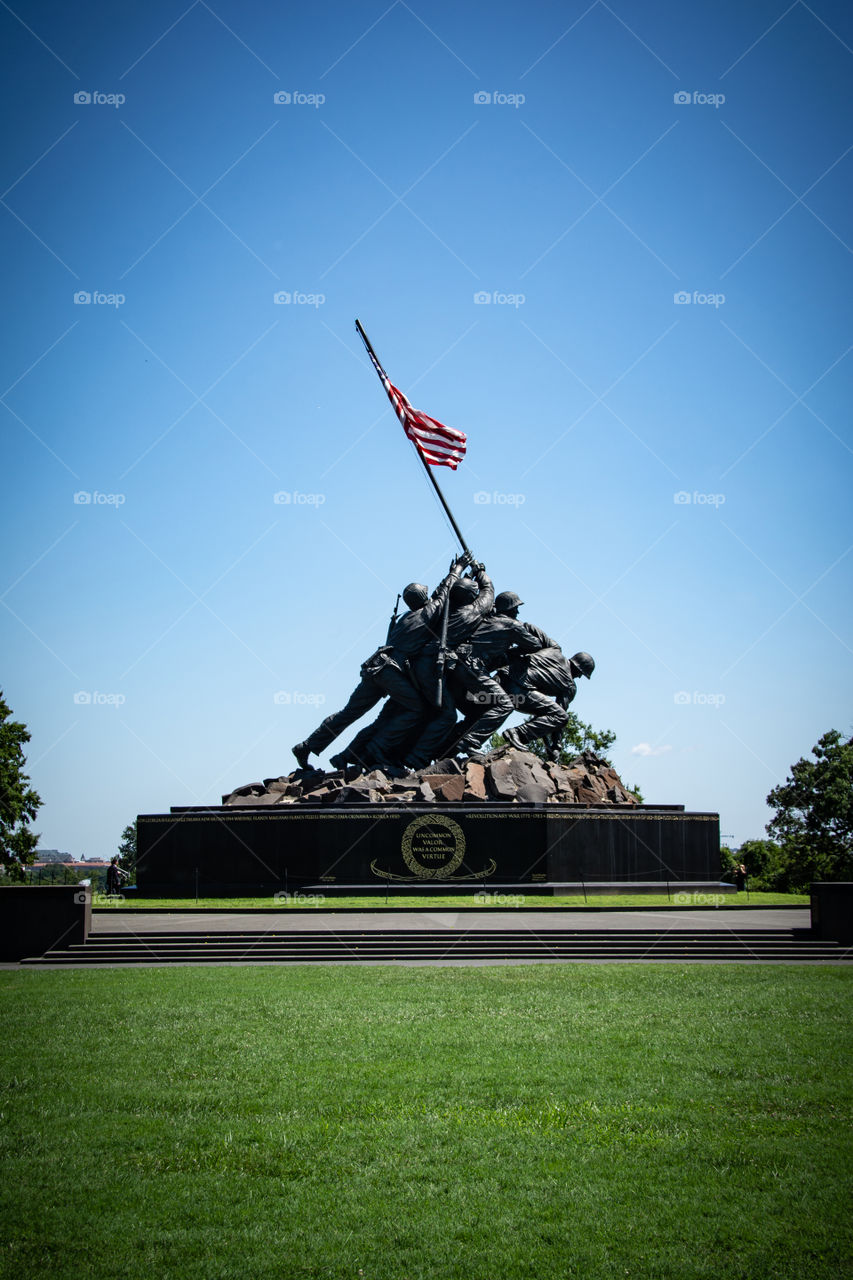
(497, 957)
(767, 946)
(182, 936)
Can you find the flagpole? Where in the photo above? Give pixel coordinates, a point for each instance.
(427, 468)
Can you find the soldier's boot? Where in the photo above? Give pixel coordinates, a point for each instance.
(302, 751)
(393, 770)
(512, 739)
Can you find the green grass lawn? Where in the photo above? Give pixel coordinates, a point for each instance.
(453, 902)
(487, 1124)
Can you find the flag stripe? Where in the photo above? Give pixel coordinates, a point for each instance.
(437, 444)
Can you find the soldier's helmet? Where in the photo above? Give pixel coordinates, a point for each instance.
(506, 601)
(584, 662)
(465, 591)
(415, 595)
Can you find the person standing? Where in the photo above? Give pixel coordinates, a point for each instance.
(115, 875)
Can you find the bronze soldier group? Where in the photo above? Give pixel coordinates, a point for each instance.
(460, 652)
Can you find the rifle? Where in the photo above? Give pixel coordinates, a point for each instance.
(393, 619)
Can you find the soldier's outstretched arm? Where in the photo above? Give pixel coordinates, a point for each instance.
(525, 639)
(542, 638)
(436, 601)
(486, 599)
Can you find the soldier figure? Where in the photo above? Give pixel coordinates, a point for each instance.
(428, 667)
(530, 680)
(471, 600)
(384, 673)
(495, 642)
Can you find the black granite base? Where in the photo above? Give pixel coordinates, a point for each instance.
(37, 918)
(832, 909)
(233, 852)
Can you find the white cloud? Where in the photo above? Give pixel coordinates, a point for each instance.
(646, 749)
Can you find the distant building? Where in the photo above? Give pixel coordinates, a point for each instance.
(52, 855)
(68, 864)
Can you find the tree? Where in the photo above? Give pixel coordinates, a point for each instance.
(727, 860)
(763, 860)
(576, 737)
(19, 803)
(127, 850)
(814, 815)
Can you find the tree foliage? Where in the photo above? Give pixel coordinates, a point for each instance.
(763, 860)
(127, 850)
(813, 822)
(19, 803)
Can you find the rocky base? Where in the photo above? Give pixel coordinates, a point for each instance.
(507, 776)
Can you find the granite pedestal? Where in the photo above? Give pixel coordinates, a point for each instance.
(241, 852)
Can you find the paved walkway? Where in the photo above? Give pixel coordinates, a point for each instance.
(287, 919)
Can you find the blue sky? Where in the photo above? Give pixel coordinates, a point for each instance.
(666, 482)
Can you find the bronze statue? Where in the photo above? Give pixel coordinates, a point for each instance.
(460, 650)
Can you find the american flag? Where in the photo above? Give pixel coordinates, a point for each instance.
(437, 444)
